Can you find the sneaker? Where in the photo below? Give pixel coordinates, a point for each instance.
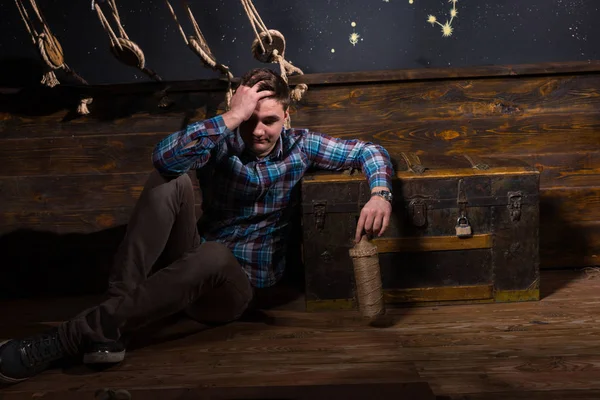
(21, 359)
(104, 353)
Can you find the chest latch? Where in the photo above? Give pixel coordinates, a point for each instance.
(417, 211)
(514, 205)
(319, 211)
(462, 228)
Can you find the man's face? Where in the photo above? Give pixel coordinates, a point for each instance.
(262, 130)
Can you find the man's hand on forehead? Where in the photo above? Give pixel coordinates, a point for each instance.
(244, 102)
(260, 85)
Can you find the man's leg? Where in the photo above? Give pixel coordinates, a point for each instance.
(225, 303)
(163, 219)
(160, 214)
(203, 270)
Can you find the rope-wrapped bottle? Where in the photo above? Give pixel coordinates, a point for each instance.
(367, 275)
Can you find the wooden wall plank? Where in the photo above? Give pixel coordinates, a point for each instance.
(74, 193)
(396, 102)
(444, 73)
(67, 222)
(390, 104)
(75, 155)
(53, 126)
(514, 137)
(132, 153)
(92, 192)
(68, 193)
(563, 169)
(108, 115)
(502, 135)
(569, 244)
(570, 204)
(64, 222)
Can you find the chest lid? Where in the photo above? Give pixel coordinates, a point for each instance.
(431, 181)
(414, 166)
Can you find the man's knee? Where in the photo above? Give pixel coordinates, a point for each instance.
(225, 288)
(216, 261)
(156, 179)
(158, 186)
(220, 305)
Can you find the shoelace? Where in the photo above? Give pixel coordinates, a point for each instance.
(40, 350)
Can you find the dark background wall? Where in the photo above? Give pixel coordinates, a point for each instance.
(394, 34)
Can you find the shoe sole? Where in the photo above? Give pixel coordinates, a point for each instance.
(7, 379)
(103, 358)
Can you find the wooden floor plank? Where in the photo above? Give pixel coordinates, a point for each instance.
(352, 391)
(191, 376)
(578, 394)
(523, 382)
(546, 348)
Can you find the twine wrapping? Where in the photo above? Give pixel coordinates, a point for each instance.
(367, 274)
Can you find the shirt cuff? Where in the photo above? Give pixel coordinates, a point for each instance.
(380, 179)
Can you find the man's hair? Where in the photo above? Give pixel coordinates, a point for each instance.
(269, 81)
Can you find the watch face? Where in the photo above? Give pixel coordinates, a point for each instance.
(385, 194)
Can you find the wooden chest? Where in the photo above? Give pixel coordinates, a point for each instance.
(423, 260)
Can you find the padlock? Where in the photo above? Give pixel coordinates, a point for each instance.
(463, 229)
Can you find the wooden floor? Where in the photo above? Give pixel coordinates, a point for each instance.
(538, 350)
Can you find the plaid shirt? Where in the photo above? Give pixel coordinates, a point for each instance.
(247, 201)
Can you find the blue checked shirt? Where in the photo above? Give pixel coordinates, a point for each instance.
(246, 201)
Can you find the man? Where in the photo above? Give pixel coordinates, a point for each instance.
(248, 165)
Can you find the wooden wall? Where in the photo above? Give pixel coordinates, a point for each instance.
(68, 183)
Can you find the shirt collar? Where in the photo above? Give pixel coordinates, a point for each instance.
(278, 149)
(275, 154)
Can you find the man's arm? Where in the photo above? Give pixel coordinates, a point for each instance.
(331, 153)
(327, 152)
(177, 153)
(190, 148)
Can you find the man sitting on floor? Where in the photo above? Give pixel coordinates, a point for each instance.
(248, 165)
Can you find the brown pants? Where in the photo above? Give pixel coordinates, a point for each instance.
(205, 279)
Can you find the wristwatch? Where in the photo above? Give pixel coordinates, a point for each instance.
(385, 194)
